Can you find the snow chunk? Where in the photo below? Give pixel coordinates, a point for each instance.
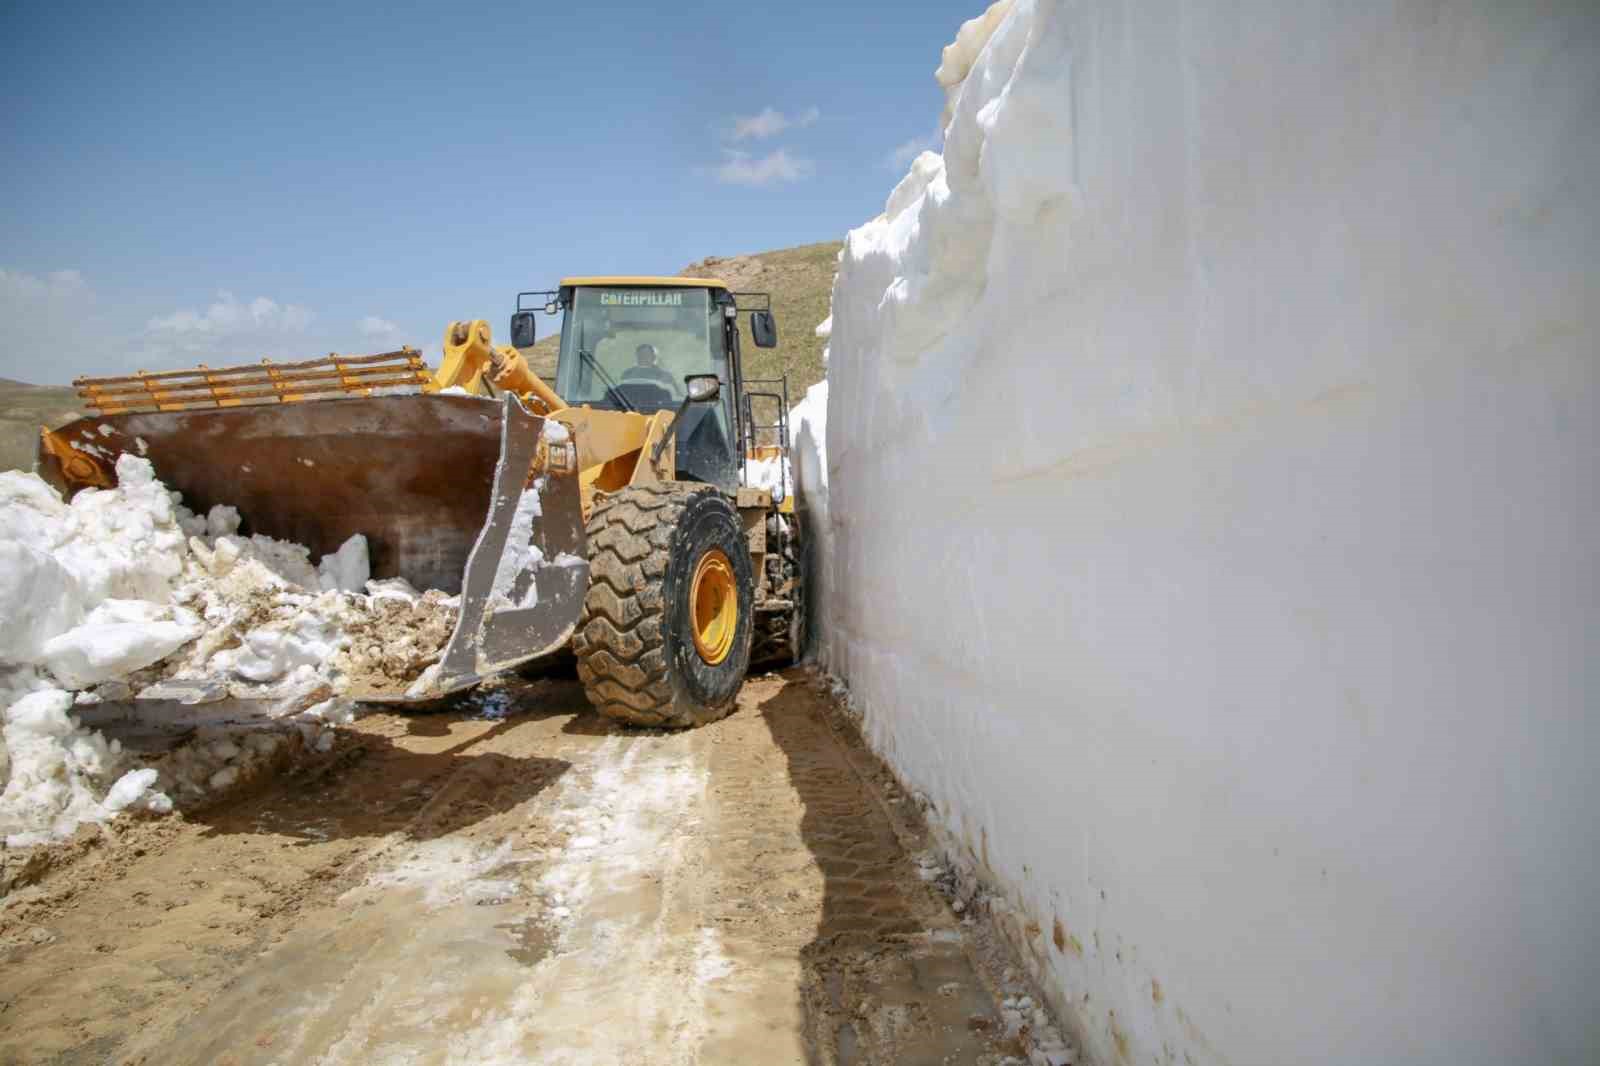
(958, 57)
(520, 553)
(118, 637)
(393, 588)
(56, 770)
(42, 600)
(272, 651)
(769, 474)
(132, 787)
(347, 569)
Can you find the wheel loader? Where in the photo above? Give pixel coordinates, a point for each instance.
(611, 512)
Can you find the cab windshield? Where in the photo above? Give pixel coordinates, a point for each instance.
(630, 347)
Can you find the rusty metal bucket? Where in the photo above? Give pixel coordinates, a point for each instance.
(433, 482)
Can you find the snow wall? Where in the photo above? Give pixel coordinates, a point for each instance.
(1209, 521)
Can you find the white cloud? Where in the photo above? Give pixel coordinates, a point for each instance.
(741, 168)
(379, 334)
(373, 326)
(229, 330)
(903, 154)
(227, 317)
(57, 327)
(770, 122)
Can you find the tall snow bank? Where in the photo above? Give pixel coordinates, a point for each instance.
(1211, 511)
(808, 424)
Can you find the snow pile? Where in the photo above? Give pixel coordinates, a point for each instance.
(770, 474)
(125, 591)
(1207, 464)
(57, 775)
(521, 554)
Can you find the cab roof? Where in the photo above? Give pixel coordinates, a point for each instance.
(657, 282)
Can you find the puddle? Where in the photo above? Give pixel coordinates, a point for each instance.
(535, 940)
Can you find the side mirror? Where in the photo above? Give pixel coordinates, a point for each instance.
(522, 329)
(702, 387)
(763, 329)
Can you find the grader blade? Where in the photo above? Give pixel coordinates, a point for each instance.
(454, 493)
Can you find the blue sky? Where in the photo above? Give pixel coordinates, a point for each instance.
(234, 181)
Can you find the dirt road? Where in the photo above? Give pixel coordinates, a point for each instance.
(515, 881)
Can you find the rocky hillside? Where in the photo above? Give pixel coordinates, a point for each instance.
(801, 282)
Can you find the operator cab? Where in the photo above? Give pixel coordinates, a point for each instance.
(631, 343)
(630, 346)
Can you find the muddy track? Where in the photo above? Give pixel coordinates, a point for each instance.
(546, 888)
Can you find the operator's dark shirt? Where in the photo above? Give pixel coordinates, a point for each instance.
(652, 374)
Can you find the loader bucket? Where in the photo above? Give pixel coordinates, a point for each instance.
(433, 481)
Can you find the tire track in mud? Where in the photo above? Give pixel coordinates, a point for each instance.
(886, 977)
(549, 888)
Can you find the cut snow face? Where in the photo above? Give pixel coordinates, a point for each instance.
(125, 592)
(1199, 487)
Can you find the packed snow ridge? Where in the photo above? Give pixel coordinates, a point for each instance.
(124, 591)
(1203, 495)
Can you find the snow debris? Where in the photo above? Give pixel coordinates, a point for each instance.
(118, 637)
(346, 570)
(446, 871)
(56, 771)
(218, 760)
(770, 474)
(1026, 1021)
(393, 588)
(521, 555)
(124, 590)
(41, 598)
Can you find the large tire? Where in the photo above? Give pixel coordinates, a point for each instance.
(637, 656)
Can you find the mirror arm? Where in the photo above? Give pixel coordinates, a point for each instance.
(677, 421)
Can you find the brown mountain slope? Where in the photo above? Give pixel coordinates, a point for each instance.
(23, 409)
(801, 283)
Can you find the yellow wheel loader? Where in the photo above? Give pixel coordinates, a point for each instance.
(615, 512)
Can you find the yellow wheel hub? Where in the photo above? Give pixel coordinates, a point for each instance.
(714, 606)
